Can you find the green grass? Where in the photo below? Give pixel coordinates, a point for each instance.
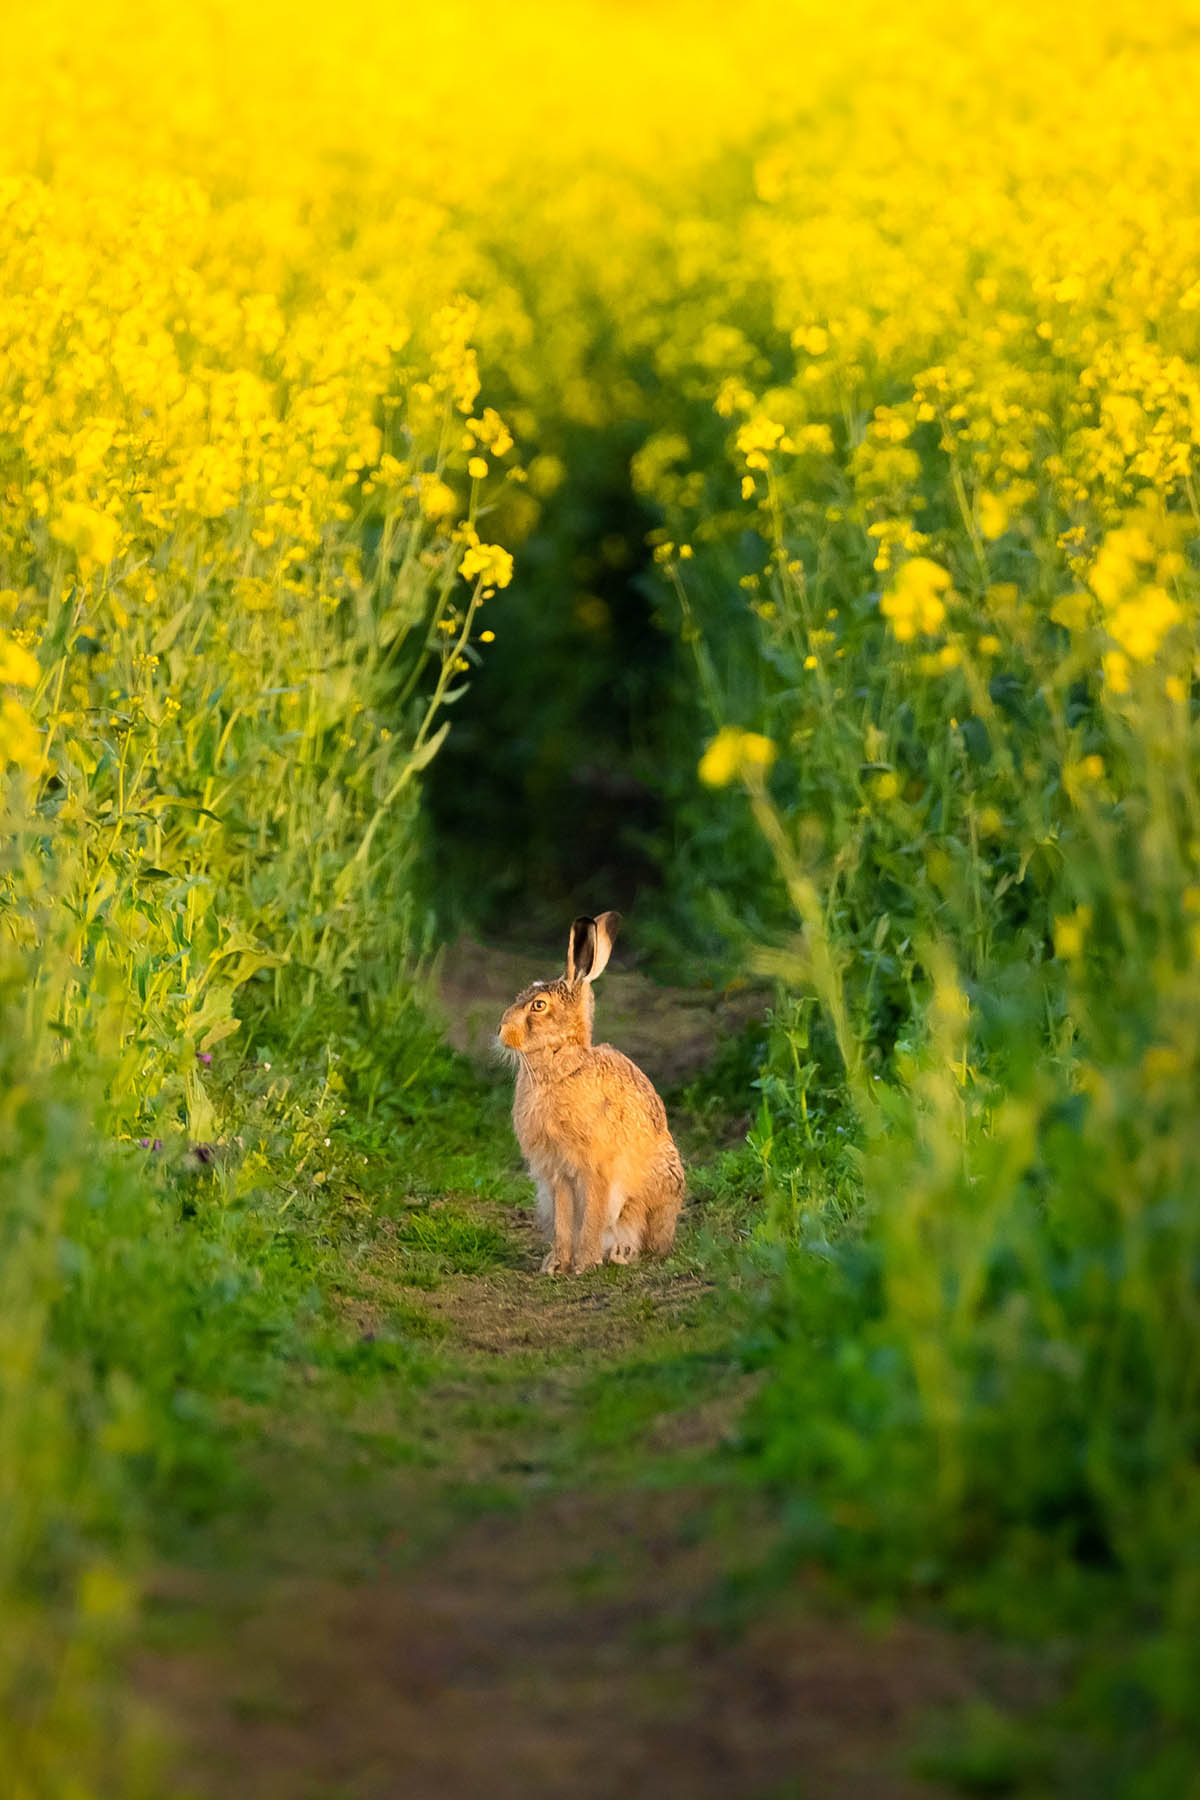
(445, 1238)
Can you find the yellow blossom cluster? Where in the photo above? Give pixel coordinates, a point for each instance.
(19, 741)
(243, 442)
(916, 603)
(486, 563)
(735, 753)
(906, 372)
(982, 287)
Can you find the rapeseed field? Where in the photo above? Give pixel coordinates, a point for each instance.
(360, 368)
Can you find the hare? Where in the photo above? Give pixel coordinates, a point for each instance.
(590, 1125)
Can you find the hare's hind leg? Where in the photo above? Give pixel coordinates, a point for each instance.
(660, 1228)
(662, 1210)
(626, 1232)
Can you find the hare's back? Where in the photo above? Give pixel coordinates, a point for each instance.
(624, 1084)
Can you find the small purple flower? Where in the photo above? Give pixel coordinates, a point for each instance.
(204, 1056)
(150, 1144)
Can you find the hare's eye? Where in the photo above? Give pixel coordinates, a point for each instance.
(537, 1005)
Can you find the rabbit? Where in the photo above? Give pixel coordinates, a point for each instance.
(591, 1127)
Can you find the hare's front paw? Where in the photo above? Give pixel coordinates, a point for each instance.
(554, 1264)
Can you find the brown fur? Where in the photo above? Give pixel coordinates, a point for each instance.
(590, 1125)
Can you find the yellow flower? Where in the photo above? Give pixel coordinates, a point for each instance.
(816, 439)
(477, 468)
(487, 563)
(436, 500)
(546, 474)
(917, 602)
(734, 753)
(20, 742)
(1116, 671)
(1070, 932)
(758, 752)
(1140, 624)
(757, 438)
(492, 432)
(1072, 610)
(1078, 777)
(993, 515)
(16, 664)
(719, 764)
(92, 535)
(1118, 563)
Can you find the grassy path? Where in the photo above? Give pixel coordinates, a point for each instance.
(492, 1539)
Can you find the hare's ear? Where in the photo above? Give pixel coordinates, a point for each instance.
(581, 948)
(607, 925)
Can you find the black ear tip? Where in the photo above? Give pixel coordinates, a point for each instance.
(583, 935)
(581, 947)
